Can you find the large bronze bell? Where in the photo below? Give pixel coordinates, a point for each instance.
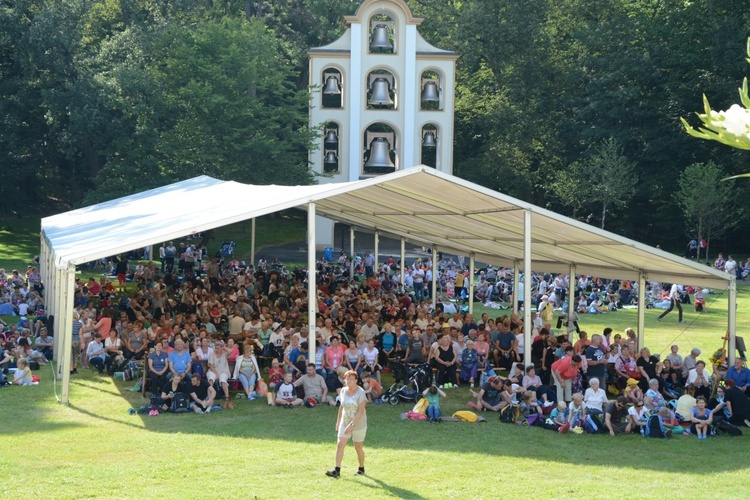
(332, 86)
(430, 92)
(429, 140)
(331, 162)
(380, 93)
(380, 154)
(380, 39)
(332, 140)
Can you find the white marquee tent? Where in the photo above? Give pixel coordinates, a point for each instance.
(419, 204)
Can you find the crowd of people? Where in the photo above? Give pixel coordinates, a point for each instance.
(200, 326)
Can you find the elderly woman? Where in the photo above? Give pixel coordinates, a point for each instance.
(247, 372)
(446, 361)
(653, 398)
(469, 363)
(594, 398)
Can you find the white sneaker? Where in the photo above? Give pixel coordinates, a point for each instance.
(471, 385)
(547, 404)
(207, 410)
(440, 387)
(252, 395)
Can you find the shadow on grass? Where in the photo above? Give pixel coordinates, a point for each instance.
(380, 485)
(388, 435)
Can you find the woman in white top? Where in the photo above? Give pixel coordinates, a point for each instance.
(351, 422)
(370, 355)
(594, 398)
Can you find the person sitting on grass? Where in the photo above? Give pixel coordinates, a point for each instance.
(489, 396)
(633, 390)
(531, 409)
(313, 385)
(614, 414)
(285, 394)
(701, 418)
(202, 394)
(433, 394)
(372, 387)
(559, 415)
(23, 373)
(576, 411)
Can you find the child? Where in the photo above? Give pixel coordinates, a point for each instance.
(371, 386)
(285, 393)
(671, 425)
(576, 411)
(433, 395)
(275, 374)
(531, 409)
(632, 391)
(23, 374)
(558, 417)
(701, 417)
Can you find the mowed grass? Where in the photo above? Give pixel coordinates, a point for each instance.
(95, 449)
(19, 242)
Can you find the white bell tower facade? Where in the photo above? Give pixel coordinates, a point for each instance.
(384, 98)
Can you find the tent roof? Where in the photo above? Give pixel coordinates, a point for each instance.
(420, 203)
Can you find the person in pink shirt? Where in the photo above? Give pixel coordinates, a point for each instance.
(334, 354)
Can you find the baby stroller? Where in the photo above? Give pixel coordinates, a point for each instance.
(415, 381)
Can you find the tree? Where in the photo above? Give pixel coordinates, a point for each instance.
(606, 177)
(706, 202)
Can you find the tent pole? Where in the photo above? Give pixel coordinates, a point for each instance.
(351, 252)
(57, 337)
(732, 320)
(252, 242)
(571, 290)
(66, 331)
(403, 262)
(471, 283)
(527, 287)
(514, 294)
(377, 251)
(641, 311)
(312, 288)
(434, 278)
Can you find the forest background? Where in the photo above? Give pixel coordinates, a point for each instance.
(572, 105)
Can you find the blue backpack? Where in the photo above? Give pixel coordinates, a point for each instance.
(654, 427)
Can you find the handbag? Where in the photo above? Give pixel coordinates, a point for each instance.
(261, 388)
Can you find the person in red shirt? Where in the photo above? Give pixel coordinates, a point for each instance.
(564, 370)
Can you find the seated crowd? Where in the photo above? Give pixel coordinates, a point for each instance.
(202, 332)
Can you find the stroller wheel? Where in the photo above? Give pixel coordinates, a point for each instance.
(394, 400)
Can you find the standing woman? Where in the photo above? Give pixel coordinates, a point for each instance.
(351, 422)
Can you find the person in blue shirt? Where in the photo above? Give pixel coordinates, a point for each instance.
(741, 376)
(179, 363)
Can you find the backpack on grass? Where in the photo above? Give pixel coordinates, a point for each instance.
(723, 426)
(510, 414)
(655, 427)
(179, 403)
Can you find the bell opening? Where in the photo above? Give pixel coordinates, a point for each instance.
(381, 35)
(331, 95)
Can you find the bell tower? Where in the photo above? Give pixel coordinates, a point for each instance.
(384, 98)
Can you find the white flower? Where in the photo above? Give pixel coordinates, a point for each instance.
(737, 120)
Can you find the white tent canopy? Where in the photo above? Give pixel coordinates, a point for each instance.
(420, 204)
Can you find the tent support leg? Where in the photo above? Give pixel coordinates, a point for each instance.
(471, 283)
(641, 311)
(514, 294)
(252, 241)
(527, 287)
(434, 278)
(403, 262)
(312, 288)
(732, 321)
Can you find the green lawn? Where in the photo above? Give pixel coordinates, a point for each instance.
(93, 448)
(19, 242)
